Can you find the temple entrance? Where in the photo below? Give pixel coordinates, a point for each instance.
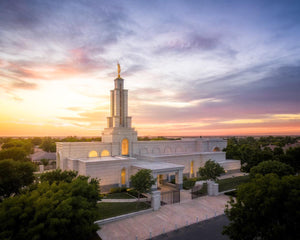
(216, 149)
(125, 147)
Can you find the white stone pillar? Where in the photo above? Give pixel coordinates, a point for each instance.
(42, 168)
(154, 186)
(155, 200)
(179, 179)
(212, 188)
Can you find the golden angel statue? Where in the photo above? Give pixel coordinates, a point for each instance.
(119, 70)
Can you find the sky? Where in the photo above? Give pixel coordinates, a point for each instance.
(192, 68)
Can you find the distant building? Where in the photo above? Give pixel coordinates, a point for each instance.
(40, 154)
(121, 155)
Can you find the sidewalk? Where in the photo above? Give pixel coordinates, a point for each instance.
(166, 219)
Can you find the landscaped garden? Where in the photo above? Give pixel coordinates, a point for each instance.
(121, 195)
(224, 184)
(112, 209)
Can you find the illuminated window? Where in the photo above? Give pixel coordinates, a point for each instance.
(123, 176)
(216, 149)
(93, 154)
(105, 153)
(192, 167)
(125, 147)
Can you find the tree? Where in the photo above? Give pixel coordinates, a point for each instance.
(15, 153)
(293, 158)
(250, 156)
(58, 176)
(44, 161)
(36, 141)
(48, 145)
(267, 207)
(279, 168)
(278, 151)
(266, 154)
(15, 175)
(142, 181)
(211, 170)
(57, 211)
(19, 143)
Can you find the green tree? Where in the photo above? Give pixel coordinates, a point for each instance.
(232, 150)
(211, 170)
(293, 158)
(44, 161)
(48, 145)
(250, 156)
(36, 141)
(58, 176)
(15, 153)
(267, 207)
(265, 167)
(19, 143)
(57, 211)
(15, 175)
(142, 181)
(266, 154)
(278, 151)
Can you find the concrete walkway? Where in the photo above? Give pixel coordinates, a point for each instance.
(166, 219)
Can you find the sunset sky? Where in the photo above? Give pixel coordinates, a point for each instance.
(191, 67)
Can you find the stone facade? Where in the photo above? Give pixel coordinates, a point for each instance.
(116, 158)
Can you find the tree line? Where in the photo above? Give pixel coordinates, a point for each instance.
(19, 148)
(268, 206)
(252, 151)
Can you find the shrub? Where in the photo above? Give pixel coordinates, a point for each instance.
(118, 189)
(189, 183)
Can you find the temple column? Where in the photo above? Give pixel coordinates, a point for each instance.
(179, 179)
(154, 186)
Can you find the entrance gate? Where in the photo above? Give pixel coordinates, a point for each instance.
(170, 197)
(198, 191)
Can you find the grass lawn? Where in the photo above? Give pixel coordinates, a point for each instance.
(121, 195)
(232, 183)
(108, 209)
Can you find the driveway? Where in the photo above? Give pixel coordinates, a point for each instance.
(208, 230)
(166, 219)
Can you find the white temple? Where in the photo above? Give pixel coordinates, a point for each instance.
(121, 155)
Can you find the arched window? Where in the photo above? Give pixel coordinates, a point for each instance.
(123, 176)
(216, 149)
(192, 167)
(125, 147)
(105, 153)
(93, 154)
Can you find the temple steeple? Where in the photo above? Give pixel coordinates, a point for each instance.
(119, 131)
(119, 105)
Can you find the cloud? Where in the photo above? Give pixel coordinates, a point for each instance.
(276, 92)
(188, 43)
(87, 117)
(24, 85)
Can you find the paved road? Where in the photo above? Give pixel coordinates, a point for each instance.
(207, 230)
